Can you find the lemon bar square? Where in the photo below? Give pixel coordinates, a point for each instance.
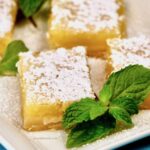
(8, 9)
(50, 81)
(86, 22)
(124, 52)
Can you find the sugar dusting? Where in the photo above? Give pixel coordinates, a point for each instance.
(135, 50)
(10, 107)
(85, 15)
(6, 20)
(56, 75)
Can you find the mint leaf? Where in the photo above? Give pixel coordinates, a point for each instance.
(90, 131)
(97, 111)
(132, 82)
(8, 63)
(30, 7)
(120, 115)
(84, 110)
(126, 103)
(105, 95)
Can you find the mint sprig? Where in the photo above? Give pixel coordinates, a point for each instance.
(119, 98)
(30, 7)
(8, 62)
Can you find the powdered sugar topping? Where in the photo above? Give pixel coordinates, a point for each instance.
(6, 19)
(85, 15)
(134, 50)
(56, 75)
(10, 100)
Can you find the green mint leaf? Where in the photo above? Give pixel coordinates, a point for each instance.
(90, 131)
(132, 82)
(127, 103)
(30, 7)
(84, 110)
(97, 111)
(105, 95)
(8, 63)
(120, 115)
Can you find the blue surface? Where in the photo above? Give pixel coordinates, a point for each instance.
(143, 144)
(2, 148)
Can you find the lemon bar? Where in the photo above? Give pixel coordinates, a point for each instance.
(134, 50)
(50, 81)
(8, 9)
(86, 22)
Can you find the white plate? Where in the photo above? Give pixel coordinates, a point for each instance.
(12, 136)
